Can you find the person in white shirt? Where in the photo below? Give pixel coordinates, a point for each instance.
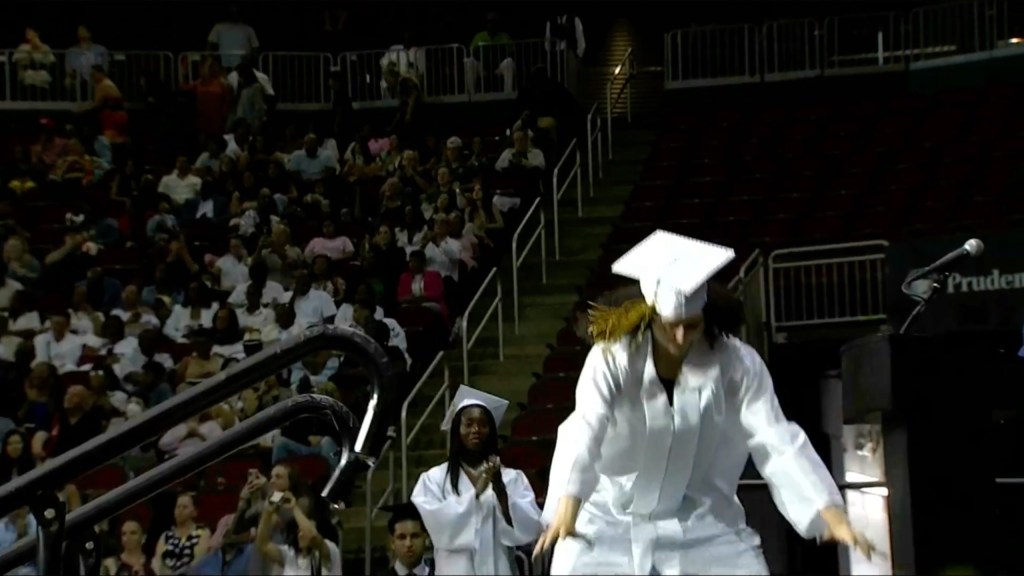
(8, 287)
(180, 185)
(285, 325)
(521, 154)
(233, 39)
(136, 317)
(231, 268)
(346, 310)
(312, 307)
(58, 346)
(23, 323)
(443, 252)
(254, 318)
(194, 313)
(408, 541)
(272, 292)
(302, 546)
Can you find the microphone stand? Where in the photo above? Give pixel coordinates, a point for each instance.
(937, 281)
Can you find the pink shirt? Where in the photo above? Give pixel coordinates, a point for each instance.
(334, 248)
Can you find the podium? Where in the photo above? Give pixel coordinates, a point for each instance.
(935, 397)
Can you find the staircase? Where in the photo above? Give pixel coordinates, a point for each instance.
(647, 85)
(544, 309)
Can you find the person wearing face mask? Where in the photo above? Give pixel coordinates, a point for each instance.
(669, 407)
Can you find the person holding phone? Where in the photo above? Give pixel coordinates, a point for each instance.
(304, 551)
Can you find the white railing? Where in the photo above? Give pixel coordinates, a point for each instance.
(467, 340)
(301, 80)
(832, 284)
(594, 135)
(624, 72)
(865, 43)
(408, 435)
(496, 71)
(712, 56)
(573, 151)
(518, 256)
(373, 507)
(749, 287)
(957, 28)
(792, 49)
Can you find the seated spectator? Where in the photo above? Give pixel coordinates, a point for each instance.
(321, 276)
(42, 400)
(57, 345)
(194, 313)
(330, 244)
(227, 335)
(386, 331)
(282, 257)
(74, 424)
(412, 177)
(312, 162)
(312, 307)
(385, 260)
(181, 184)
(437, 207)
(284, 326)
(163, 227)
(271, 291)
(455, 162)
(409, 233)
(8, 286)
(76, 167)
(468, 243)
(185, 543)
(482, 217)
(120, 351)
(85, 319)
(103, 292)
(14, 527)
(193, 433)
(21, 266)
(206, 208)
(231, 269)
(393, 207)
(208, 163)
(23, 323)
(273, 391)
(522, 155)
(303, 544)
(136, 317)
(444, 254)
(16, 459)
(408, 541)
(254, 318)
(131, 560)
(165, 288)
(346, 311)
(422, 287)
(200, 365)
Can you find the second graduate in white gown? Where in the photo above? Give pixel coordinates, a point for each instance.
(668, 408)
(475, 509)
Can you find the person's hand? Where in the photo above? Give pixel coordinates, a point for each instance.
(839, 530)
(497, 482)
(562, 526)
(314, 441)
(481, 479)
(192, 427)
(287, 501)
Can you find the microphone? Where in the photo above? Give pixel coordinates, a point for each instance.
(971, 249)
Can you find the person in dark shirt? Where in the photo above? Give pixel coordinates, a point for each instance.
(77, 423)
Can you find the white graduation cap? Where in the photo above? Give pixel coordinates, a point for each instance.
(673, 271)
(466, 396)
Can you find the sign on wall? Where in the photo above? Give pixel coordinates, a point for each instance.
(983, 293)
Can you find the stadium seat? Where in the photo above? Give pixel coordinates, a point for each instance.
(552, 391)
(539, 422)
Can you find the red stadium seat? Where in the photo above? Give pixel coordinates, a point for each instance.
(232, 471)
(564, 361)
(539, 422)
(530, 454)
(102, 479)
(312, 469)
(552, 391)
(567, 337)
(214, 504)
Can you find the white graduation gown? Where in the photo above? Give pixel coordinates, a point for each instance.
(658, 482)
(470, 535)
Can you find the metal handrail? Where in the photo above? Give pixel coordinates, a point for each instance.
(594, 133)
(96, 452)
(557, 190)
(754, 260)
(630, 68)
(517, 257)
(407, 436)
(181, 467)
(373, 507)
(467, 340)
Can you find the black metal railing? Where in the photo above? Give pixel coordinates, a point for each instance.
(38, 488)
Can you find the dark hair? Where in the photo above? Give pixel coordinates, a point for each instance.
(723, 312)
(457, 450)
(230, 335)
(404, 512)
(23, 464)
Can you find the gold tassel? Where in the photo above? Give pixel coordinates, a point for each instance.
(610, 324)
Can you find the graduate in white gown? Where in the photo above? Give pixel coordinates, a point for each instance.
(475, 509)
(669, 406)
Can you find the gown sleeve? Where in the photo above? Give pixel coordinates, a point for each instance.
(598, 385)
(452, 522)
(522, 507)
(800, 483)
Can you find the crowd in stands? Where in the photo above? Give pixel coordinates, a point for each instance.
(130, 274)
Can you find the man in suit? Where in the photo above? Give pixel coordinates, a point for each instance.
(408, 541)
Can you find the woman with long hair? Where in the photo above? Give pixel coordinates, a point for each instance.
(669, 406)
(16, 458)
(474, 508)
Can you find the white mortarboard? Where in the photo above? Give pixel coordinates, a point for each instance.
(673, 271)
(466, 396)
